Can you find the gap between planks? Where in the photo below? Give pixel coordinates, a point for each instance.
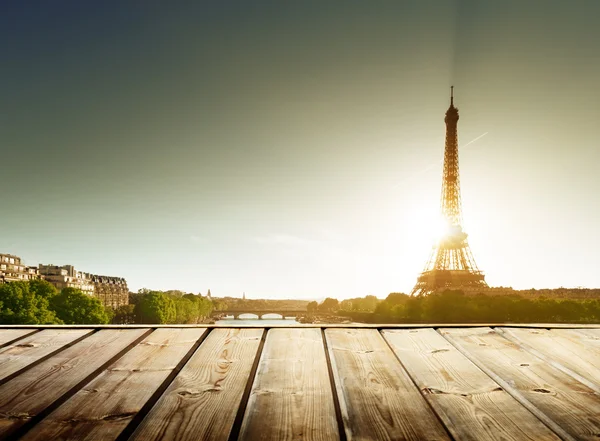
(19, 432)
(508, 388)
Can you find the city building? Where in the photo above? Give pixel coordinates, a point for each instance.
(13, 270)
(111, 291)
(66, 277)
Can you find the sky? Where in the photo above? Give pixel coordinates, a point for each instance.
(293, 149)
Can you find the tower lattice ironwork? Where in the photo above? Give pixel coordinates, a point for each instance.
(451, 263)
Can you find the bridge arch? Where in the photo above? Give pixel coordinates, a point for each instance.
(272, 316)
(279, 314)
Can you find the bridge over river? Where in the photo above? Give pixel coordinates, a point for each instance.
(283, 313)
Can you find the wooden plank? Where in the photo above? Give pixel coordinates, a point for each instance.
(9, 335)
(568, 354)
(106, 405)
(556, 398)
(202, 401)
(587, 340)
(378, 400)
(24, 352)
(291, 398)
(591, 334)
(29, 394)
(469, 403)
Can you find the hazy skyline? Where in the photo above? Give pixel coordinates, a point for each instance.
(294, 150)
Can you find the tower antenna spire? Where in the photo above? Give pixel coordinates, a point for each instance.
(451, 95)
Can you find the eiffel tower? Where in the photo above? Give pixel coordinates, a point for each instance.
(451, 264)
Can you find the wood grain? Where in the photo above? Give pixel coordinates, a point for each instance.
(565, 352)
(203, 400)
(105, 406)
(291, 398)
(378, 400)
(8, 335)
(592, 335)
(25, 396)
(561, 399)
(470, 403)
(26, 351)
(587, 340)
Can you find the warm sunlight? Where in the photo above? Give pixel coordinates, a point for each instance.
(430, 229)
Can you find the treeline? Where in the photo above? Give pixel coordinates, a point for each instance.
(38, 302)
(359, 304)
(225, 303)
(456, 307)
(169, 307)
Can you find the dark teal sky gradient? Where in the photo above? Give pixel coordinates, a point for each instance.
(292, 149)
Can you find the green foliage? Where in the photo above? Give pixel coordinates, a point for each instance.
(72, 306)
(42, 288)
(312, 307)
(219, 305)
(329, 305)
(27, 303)
(192, 308)
(171, 307)
(125, 314)
(235, 303)
(157, 308)
(457, 307)
(360, 304)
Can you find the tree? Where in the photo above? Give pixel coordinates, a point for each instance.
(27, 303)
(124, 315)
(312, 307)
(329, 305)
(42, 288)
(72, 306)
(156, 307)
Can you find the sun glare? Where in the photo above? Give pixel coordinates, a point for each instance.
(440, 228)
(431, 229)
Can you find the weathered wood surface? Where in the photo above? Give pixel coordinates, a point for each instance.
(566, 352)
(408, 383)
(292, 396)
(378, 400)
(26, 351)
(589, 335)
(105, 406)
(28, 394)
(587, 340)
(203, 400)
(8, 335)
(560, 399)
(469, 402)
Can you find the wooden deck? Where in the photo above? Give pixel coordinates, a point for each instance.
(417, 382)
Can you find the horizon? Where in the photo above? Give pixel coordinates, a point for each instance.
(281, 150)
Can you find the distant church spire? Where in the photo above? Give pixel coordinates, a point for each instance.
(244, 296)
(208, 293)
